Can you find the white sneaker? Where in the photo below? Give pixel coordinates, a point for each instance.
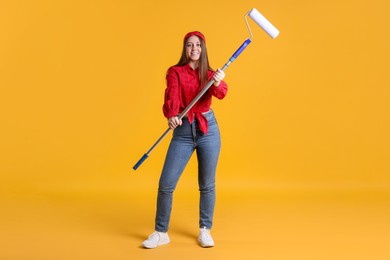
(205, 239)
(156, 239)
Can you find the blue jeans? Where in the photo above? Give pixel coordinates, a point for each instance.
(187, 138)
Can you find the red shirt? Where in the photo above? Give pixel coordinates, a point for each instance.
(182, 88)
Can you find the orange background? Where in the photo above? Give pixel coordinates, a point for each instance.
(305, 128)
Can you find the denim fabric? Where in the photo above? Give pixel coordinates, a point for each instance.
(186, 139)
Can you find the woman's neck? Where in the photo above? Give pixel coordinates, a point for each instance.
(194, 64)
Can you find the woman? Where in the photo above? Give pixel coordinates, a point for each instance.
(197, 131)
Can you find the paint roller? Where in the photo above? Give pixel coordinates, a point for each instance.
(261, 21)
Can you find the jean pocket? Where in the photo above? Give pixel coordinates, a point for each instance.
(211, 120)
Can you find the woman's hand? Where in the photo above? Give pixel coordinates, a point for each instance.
(218, 77)
(174, 122)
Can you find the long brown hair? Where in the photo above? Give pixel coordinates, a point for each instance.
(204, 64)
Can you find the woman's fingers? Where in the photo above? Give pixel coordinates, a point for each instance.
(219, 75)
(174, 122)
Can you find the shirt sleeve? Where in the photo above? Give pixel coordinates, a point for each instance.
(172, 94)
(220, 91)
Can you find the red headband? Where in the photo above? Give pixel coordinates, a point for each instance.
(199, 34)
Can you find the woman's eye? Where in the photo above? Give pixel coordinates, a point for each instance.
(189, 45)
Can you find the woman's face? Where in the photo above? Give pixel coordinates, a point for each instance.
(193, 48)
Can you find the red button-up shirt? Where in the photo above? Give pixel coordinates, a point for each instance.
(182, 88)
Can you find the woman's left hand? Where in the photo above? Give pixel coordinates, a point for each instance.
(219, 75)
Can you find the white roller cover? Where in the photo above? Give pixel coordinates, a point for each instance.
(263, 23)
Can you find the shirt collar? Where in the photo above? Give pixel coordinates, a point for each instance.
(189, 68)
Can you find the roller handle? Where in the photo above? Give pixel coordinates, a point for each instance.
(146, 155)
(143, 158)
(241, 49)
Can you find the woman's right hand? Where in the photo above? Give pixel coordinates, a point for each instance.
(174, 122)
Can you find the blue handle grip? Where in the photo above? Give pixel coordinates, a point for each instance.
(143, 158)
(242, 47)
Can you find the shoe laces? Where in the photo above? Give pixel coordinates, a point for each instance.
(155, 236)
(205, 234)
